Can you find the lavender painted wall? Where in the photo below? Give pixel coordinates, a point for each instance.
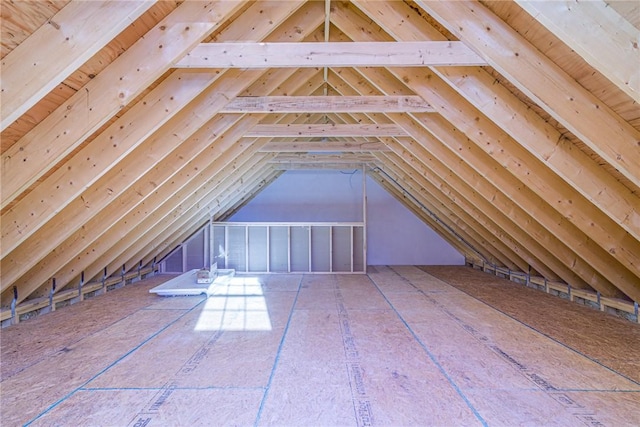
(395, 235)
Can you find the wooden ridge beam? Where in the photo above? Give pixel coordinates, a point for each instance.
(599, 127)
(78, 31)
(328, 54)
(603, 38)
(327, 104)
(328, 130)
(122, 81)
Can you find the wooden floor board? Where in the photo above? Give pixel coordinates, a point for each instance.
(396, 347)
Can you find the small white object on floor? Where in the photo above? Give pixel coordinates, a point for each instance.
(187, 284)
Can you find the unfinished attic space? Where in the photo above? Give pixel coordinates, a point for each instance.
(320, 213)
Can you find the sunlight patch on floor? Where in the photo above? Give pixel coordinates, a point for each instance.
(235, 305)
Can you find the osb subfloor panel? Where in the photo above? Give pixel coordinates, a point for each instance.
(606, 339)
(395, 347)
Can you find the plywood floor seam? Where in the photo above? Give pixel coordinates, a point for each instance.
(532, 328)
(396, 347)
(431, 355)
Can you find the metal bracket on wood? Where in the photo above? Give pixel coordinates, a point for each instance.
(52, 306)
(14, 302)
(80, 286)
(104, 281)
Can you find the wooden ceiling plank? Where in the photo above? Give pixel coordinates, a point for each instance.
(121, 82)
(603, 38)
(320, 130)
(327, 104)
(79, 30)
(606, 133)
(328, 54)
(540, 138)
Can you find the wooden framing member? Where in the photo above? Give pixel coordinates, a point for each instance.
(68, 295)
(311, 159)
(177, 220)
(606, 133)
(159, 194)
(497, 223)
(96, 159)
(327, 104)
(499, 104)
(89, 108)
(156, 148)
(450, 154)
(595, 297)
(327, 130)
(492, 140)
(354, 145)
(79, 31)
(433, 150)
(139, 123)
(598, 34)
(237, 202)
(473, 219)
(328, 54)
